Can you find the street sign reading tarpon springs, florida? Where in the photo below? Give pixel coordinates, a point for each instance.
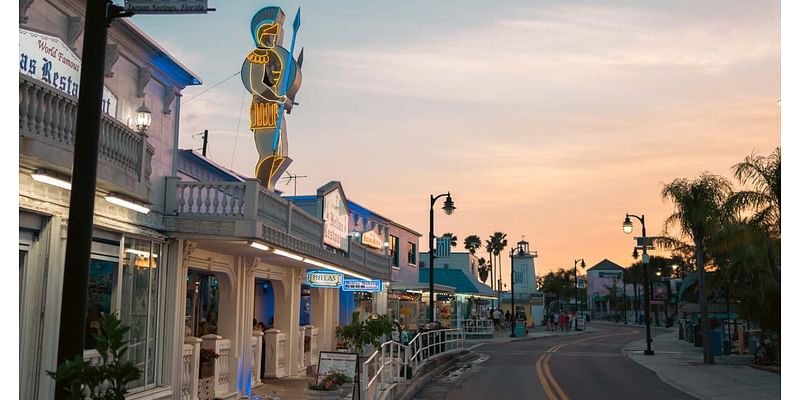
(167, 6)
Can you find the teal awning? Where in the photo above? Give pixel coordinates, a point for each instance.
(456, 278)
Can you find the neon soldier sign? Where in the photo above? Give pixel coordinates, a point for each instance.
(273, 77)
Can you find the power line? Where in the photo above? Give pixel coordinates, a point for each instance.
(236, 132)
(212, 87)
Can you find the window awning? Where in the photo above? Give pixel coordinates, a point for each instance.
(439, 288)
(457, 278)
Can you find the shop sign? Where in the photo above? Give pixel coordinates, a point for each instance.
(49, 60)
(166, 6)
(372, 239)
(359, 285)
(330, 362)
(324, 279)
(337, 220)
(611, 275)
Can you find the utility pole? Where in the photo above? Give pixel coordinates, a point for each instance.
(205, 142)
(72, 328)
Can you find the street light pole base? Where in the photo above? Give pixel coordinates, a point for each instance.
(649, 352)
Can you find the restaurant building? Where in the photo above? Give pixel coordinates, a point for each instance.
(132, 269)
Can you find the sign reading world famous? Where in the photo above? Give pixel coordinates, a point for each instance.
(49, 60)
(324, 279)
(337, 221)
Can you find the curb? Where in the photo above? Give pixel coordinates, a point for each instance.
(625, 351)
(419, 381)
(765, 368)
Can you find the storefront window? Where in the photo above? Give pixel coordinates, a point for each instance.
(138, 304)
(394, 249)
(130, 289)
(363, 303)
(102, 280)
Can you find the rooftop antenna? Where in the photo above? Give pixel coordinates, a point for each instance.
(290, 177)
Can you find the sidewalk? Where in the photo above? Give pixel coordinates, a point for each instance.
(680, 364)
(285, 389)
(532, 334)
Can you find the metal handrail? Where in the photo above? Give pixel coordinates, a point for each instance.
(425, 346)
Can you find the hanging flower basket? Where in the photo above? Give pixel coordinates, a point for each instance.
(207, 361)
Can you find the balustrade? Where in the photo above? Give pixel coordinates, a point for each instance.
(222, 199)
(48, 115)
(191, 368)
(256, 349)
(221, 364)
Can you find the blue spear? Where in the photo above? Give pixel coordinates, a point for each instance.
(287, 74)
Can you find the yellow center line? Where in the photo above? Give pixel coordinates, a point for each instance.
(543, 380)
(549, 374)
(545, 375)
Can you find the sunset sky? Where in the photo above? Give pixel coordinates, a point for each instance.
(542, 118)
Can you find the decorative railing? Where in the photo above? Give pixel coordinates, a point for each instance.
(190, 371)
(394, 362)
(476, 327)
(256, 349)
(247, 210)
(49, 116)
(221, 364)
(219, 199)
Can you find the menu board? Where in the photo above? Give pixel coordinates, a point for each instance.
(346, 363)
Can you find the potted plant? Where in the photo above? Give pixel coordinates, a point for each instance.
(207, 357)
(329, 388)
(345, 381)
(358, 334)
(107, 379)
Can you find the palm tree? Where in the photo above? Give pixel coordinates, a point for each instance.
(490, 249)
(483, 270)
(472, 243)
(698, 214)
(763, 174)
(499, 243)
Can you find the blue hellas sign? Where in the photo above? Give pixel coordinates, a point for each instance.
(324, 279)
(359, 285)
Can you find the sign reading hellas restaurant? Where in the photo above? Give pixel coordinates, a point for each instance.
(324, 279)
(337, 220)
(48, 59)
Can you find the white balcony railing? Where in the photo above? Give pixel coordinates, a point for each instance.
(48, 116)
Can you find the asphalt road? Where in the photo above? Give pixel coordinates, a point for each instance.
(588, 366)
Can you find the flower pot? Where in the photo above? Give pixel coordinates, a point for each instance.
(206, 369)
(323, 394)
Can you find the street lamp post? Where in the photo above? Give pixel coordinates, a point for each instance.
(627, 227)
(448, 208)
(577, 306)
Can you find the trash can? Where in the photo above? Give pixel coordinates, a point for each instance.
(519, 330)
(716, 343)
